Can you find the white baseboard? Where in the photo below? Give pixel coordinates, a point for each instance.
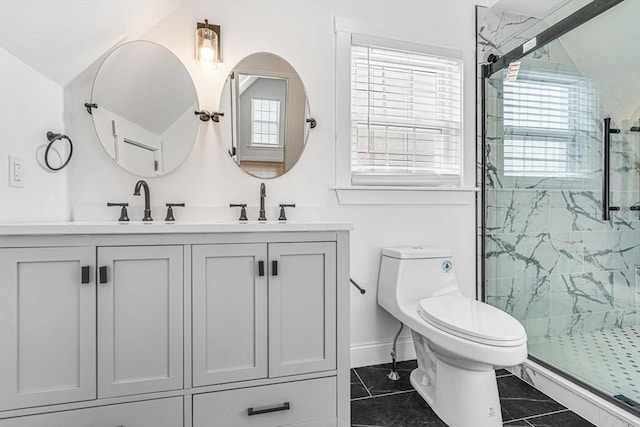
(378, 352)
(588, 405)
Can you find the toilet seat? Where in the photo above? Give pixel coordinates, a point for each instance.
(472, 320)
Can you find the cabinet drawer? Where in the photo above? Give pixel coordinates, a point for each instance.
(152, 413)
(312, 402)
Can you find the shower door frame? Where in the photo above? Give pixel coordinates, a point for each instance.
(576, 19)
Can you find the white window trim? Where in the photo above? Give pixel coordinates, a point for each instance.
(346, 192)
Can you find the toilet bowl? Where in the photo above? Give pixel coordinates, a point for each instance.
(459, 342)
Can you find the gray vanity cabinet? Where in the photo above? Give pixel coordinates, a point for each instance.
(244, 293)
(302, 308)
(140, 319)
(183, 325)
(167, 412)
(47, 326)
(55, 310)
(229, 313)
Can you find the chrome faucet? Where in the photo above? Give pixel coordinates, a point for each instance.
(263, 194)
(147, 208)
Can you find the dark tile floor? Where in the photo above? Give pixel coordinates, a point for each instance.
(376, 401)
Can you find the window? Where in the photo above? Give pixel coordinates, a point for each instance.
(545, 113)
(265, 119)
(406, 117)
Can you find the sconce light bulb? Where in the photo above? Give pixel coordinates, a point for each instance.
(206, 51)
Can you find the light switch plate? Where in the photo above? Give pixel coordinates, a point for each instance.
(16, 172)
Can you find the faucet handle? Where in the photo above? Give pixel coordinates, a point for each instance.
(170, 206)
(283, 217)
(243, 210)
(123, 211)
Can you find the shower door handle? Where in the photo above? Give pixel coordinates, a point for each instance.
(606, 166)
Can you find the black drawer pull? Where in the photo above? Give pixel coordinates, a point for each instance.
(86, 274)
(284, 407)
(103, 274)
(260, 268)
(274, 268)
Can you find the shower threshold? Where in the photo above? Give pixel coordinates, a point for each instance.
(605, 362)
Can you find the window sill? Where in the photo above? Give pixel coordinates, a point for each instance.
(265, 147)
(388, 195)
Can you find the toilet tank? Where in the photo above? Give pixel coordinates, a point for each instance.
(409, 274)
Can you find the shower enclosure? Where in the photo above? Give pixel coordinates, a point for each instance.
(561, 195)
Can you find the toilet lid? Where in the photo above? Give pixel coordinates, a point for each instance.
(471, 319)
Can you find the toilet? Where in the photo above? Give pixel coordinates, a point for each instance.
(459, 341)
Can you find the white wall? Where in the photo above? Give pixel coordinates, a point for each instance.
(30, 105)
(173, 151)
(302, 33)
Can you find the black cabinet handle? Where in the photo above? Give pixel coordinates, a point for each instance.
(86, 273)
(274, 268)
(103, 274)
(284, 407)
(260, 268)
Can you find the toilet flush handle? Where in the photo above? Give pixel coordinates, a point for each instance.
(358, 287)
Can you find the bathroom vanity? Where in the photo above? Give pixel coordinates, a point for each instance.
(166, 325)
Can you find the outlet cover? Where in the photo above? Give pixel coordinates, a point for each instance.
(16, 172)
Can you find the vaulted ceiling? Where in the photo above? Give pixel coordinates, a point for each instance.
(534, 8)
(607, 50)
(61, 38)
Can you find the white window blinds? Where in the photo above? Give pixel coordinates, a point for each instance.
(548, 116)
(406, 118)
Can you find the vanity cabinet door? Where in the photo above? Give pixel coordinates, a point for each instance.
(47, 326)
(140, 319)
(229, 311)
(302, 308)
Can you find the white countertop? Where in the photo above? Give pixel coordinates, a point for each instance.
(161, 227)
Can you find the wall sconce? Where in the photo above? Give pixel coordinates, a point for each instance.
(207, 43)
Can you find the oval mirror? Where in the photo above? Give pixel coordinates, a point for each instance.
(266, 129)
(143, 102)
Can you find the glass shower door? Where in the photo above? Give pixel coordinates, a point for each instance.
(552, 259)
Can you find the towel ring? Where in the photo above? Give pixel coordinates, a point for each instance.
(53, 137)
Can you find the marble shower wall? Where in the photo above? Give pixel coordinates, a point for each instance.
(550, 260)
(495, 33)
